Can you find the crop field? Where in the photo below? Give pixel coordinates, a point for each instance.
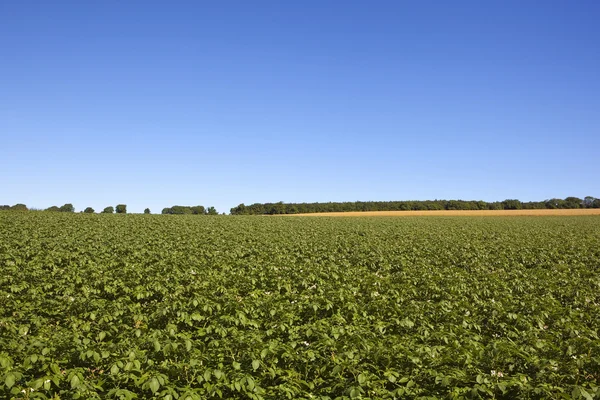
(187, 307)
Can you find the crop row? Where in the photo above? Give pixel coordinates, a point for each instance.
(176, 307)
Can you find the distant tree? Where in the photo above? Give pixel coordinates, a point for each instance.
(147, 211)
(89, 210)
(53, 208)
(167, 210)
(573, 202)
(212, 211)
(588, 201)
(239, 210)
(67, 208)
(19, 207)
(121, 209)
(108, 210)
(512, 204)
(197, 210)
(181, 210)
(5, 207)
(555, 203)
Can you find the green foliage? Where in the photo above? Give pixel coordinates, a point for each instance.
(53, 209)
(138, 307)
(108, 210)
(181, 210)
(19, 207)
(89, 210)
(296, 208)
(147, 211)
(67, 208)
(121, 209)
(212, 211)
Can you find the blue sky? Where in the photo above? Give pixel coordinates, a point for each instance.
(216, 103)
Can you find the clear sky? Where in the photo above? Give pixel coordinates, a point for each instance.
(154, 103)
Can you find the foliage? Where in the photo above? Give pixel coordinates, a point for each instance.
(67, 208)
(100, 307)
(509, 204)
(121, 209)
(147, 211)
(108, 210)
(195, 210)
(89, 210)
(212, 211)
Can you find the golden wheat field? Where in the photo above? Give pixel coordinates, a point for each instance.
(456, 213)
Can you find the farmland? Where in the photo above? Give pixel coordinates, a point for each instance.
(180, 307)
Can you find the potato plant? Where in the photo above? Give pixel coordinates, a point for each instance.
(177, 307)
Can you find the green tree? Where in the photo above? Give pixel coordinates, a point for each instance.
(121, 209)
(167, 210)
(181, 210)
(67, 208)
(108, 210)
(512, 204)
(588, 201)
(212, 211)
(147, 211)
(573, 202)
(197, 210)
(89, 210)
(19, 207)
(53, 208)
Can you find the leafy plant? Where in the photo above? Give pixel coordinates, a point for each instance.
(95, 306)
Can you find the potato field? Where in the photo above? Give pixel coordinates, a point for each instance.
(241, 307)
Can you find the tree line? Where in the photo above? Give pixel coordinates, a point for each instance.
(119, 209)
(194, 210)
(417, 205)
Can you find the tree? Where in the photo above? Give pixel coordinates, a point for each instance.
(167, 210)
(121, 209)
(67, 208)
(573, 202)
(89, 210)
(181, 210)
(53, 208)
(198, 210)
(19, 207)
(147, 211)
(108, 210)
(512, 204)
(588, 201)
(212, 211)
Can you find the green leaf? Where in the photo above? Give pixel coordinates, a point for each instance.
(75, 381)
(236, 365)
(255, 364)
(154, 385)
(9, 381)
(362, 379)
